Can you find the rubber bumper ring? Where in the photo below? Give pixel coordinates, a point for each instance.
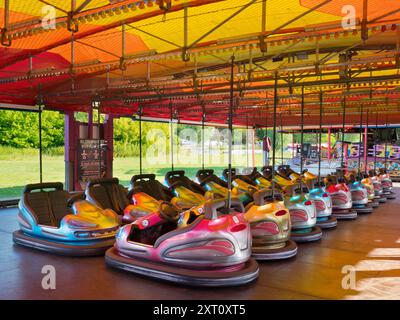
(97, 248)
(183, 276)
(288, 251)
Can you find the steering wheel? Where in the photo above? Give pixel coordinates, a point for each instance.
(168, 211)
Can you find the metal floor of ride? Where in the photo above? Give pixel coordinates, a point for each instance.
(370, 245)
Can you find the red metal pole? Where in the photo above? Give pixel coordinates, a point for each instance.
(329, 143)
(253, 147)
(365, 149)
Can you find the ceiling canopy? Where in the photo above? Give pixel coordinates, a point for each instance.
(176, 58)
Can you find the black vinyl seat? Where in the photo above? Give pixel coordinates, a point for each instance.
(148, 184)
(48, 207)
(208, 175)
(242, 177)
(107, 193)
(178, 177)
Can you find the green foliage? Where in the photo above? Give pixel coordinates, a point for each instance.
(21, 129)
(127, 137)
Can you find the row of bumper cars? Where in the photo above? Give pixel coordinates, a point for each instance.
(268, 217)
(316, 192)
(359, 194)
(303, 213)
(213, 250)
(56, 221)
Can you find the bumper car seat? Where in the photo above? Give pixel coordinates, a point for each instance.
(218, 187)
(257, 177)
(107, 193)
(56, 221)
(212, 251)
(242, 183)
(172, 177)
(146, 193)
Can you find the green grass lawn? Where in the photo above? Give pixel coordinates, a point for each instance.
(17, 170)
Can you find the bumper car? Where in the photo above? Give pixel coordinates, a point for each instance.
(303, 214)
(270, 227)
(367, 182)
(342, 204)
(321, 198)
(387, 184)
(146, 194)
(212, 183)
(212, 251)
(378, 191)
(359, 194)
(56, 221)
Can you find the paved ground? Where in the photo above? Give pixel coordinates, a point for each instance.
(371, 245)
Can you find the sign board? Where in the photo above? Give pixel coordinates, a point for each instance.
(92, 160)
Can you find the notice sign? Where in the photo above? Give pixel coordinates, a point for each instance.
(92, 160)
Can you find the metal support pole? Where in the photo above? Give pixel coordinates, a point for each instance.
(360, 138)
(366, 144)
(171, 139)
(203, 120)
(302, 137)
(293, 144)
(375, 140)
(321, 106)
(122, 65)
(329, 144)
(364, 21)
(253, 147)
(99, 138)
(230, 128)
(40, 146)
(265, 152)
(247, 143)
(185, 55)
(274, 133)
(281, 138)
(5, 41)
(343, 129)
(386, 140)
(72, 62)
(263, 44)
(140, 140)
